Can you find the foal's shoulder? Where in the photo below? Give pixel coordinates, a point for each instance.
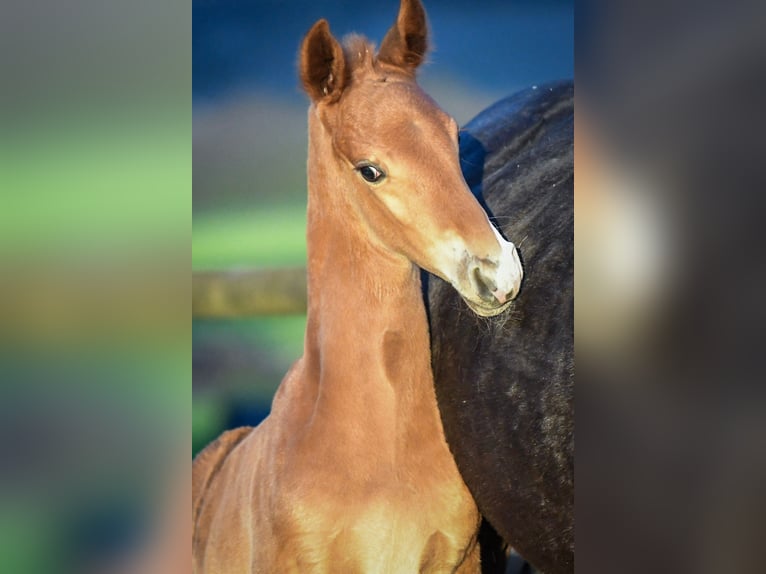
(207, 463)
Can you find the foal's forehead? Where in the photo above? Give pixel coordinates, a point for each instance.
(384, 102)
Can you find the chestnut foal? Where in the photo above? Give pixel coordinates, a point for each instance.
(351, 472)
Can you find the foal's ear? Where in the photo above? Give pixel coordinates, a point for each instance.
(323, 67)
(406, 43)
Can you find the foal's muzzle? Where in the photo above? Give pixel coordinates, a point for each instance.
(491, 285)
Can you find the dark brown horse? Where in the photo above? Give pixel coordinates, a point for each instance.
(505, 384)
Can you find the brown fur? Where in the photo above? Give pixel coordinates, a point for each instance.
(351, 472)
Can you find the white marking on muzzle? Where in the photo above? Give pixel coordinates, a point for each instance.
(509, 271)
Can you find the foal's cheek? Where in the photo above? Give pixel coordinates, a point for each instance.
(396, 206)
(387, 215)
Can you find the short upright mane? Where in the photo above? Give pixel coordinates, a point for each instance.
(359, 53)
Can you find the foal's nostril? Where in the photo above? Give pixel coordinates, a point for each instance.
(485, 286)
(500, 296)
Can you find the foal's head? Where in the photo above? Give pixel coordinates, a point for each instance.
(393, 156)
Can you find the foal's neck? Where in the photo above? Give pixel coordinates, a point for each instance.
(363, 301)
(367, 342)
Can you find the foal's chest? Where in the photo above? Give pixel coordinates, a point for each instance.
(390, 530)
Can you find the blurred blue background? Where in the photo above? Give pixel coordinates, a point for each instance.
(489, 45)
(249, 122)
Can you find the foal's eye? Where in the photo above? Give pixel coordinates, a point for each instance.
(371, 173)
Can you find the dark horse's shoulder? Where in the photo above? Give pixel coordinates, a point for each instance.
(512, 127)
(505, 384)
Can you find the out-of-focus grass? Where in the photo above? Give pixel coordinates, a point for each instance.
(135, 179)
(265, 236)
(279, 337)
(23, 531)
(207, 418)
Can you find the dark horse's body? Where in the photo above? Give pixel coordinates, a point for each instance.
(505, 385)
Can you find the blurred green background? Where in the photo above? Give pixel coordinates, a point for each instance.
(95, 224)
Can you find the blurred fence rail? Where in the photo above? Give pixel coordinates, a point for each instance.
(248, 292)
